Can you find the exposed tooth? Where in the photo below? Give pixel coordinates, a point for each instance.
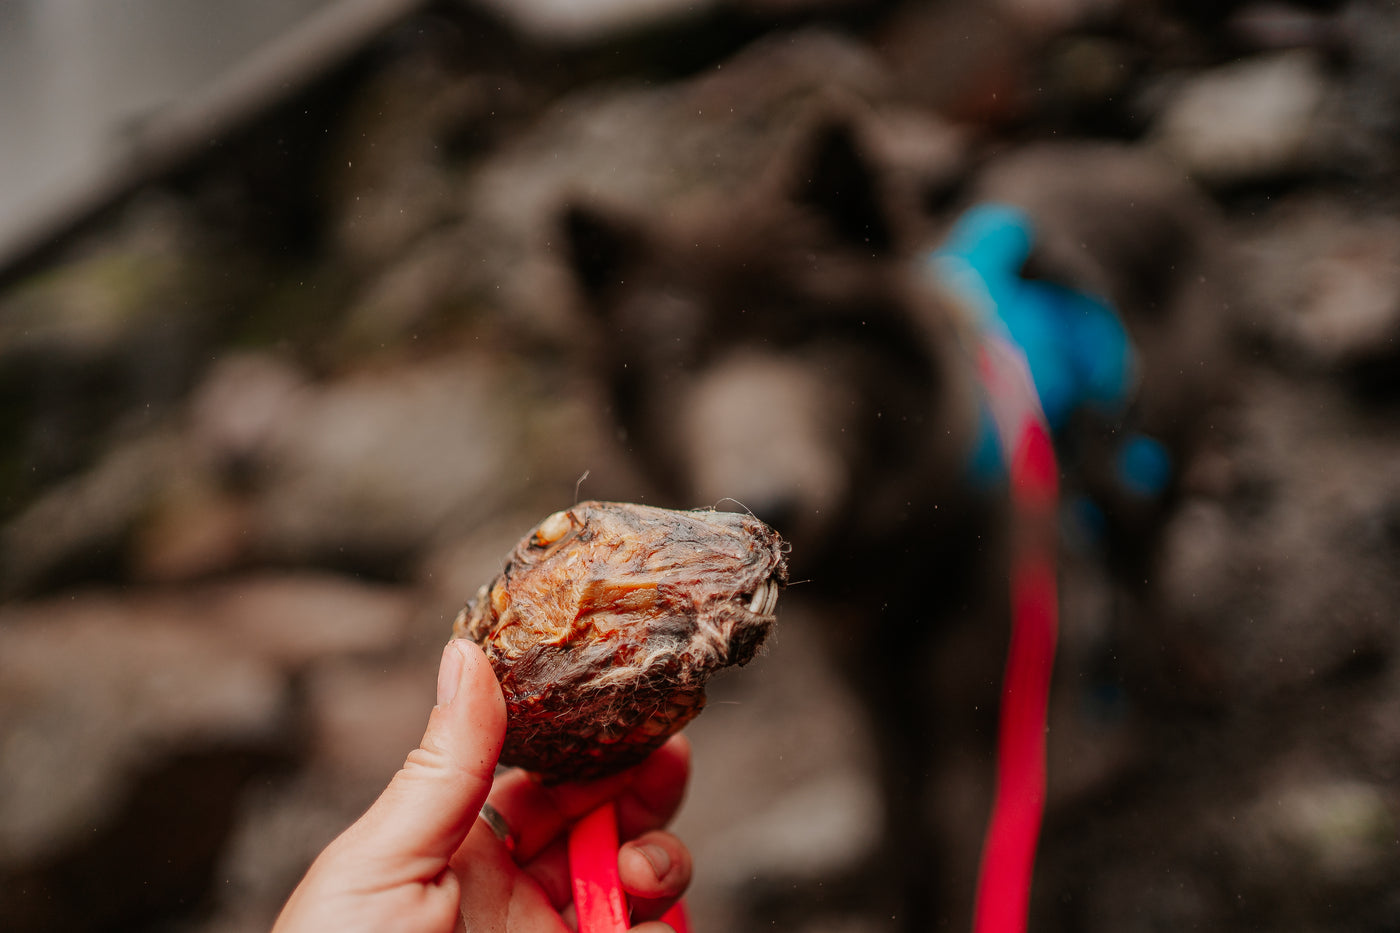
(765, 598)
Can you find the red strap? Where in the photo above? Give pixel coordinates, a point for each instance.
(598, 897)
(1004, 886)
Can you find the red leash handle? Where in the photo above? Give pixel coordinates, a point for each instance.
(598, 897)
(1004, 885)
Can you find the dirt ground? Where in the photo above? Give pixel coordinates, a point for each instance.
(267, 422)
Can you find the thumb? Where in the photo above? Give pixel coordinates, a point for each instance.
(431, 803)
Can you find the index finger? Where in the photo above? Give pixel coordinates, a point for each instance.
(647, 796)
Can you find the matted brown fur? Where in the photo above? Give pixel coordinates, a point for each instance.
(608, 620)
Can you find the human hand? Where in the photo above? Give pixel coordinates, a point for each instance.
(420, 859)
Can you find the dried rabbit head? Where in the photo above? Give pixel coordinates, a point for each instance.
(609, 619)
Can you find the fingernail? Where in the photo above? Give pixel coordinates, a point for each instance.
(659, 858)
(449, 673)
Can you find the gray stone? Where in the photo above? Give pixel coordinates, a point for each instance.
(96, 689)
(569, 21)
(1327, 276)
(1255, 119)
(134, 723)
(87, 519)
(1284, 577)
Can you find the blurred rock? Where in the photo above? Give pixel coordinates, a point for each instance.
(129, 737)
(139, 674)
(398, 160)
(1274, 25)
(296, 619)
(79, 528)
(1340, 829)
(120, 685)
(415, 297)
(1284, 580)
(370, 468)
(363, 471)
(100, 343)
(134, 721)
(564, 21)
(1300, 838)
(1257, 119)
(236, 407)
(366, 717)
(1328, 286)
(983, 78)
(1370, 48)
(192, 529)
(1053, 16)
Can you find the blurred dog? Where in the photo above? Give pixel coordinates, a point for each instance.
(789, 351)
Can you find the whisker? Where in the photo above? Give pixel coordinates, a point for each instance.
(741, 505)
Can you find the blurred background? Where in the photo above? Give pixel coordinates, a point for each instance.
(290, 356)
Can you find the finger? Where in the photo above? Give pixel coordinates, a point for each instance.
(647, 796)
(550, 869)
(657, 790)
(656, 865)
(655, 870)
(496, 893)
(429, 806)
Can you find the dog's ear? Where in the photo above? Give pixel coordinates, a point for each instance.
(601, 247)
(836, 180)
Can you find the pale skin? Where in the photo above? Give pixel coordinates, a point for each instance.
(421, 861)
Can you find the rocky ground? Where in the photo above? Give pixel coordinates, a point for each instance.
(266, 423)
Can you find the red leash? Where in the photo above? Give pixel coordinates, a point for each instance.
(598, 897)
(1008, 855)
